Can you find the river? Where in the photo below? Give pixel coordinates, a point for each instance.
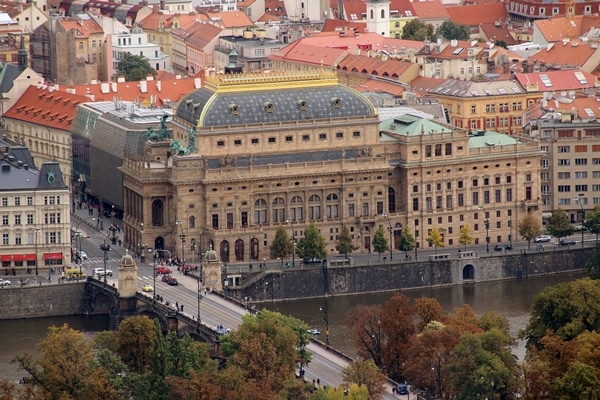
(510, 298)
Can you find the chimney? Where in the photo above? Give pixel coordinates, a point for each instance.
(144, 86)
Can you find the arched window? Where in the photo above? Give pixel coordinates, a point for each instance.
(158, 213)
(296, 208)
(278, 210)
(191, 222)
(391, 200)
(372, 14)
(224, 251)
(260, 211)
(314, 207)
(332, 206)
(382, 13)
(239, 250)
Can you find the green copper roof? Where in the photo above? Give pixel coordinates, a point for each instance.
(409, 125)
(490, 139)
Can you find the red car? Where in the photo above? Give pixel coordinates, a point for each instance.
(163, 270)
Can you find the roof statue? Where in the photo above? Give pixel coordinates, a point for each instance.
(176, 147)
(161, 134)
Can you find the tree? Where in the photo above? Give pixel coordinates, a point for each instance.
(529, 227)
(465, 237)
(501, 43)
(580, 382)
(407, 241)
(365, 373)
(417, 30)
(66, 368)
(136, 337)
(134, 68)
(313, 244)
(380, 242)
(559, 224)
(435, 238)
(281, 246)
(593, 264)
(450, 30)
(344, 243)
(592, 221)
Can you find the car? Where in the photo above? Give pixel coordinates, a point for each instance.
(102, 272)
(148, 288)
(4, 282)
(221, 330)
(82, 255)
(314, 331)
(566, 242)
(163, 270)
(170, 280)
(502, 247)
(542, 239)
(312, 261)
(402, 389)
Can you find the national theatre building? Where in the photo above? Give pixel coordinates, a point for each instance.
(252, 152)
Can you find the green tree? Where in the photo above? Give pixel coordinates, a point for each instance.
(465, 237)
(593, 263)
(592, 220)
(313, 244)
(365, 373)
(281, 246)
(66, 369)
(344, 243)
(580, 382)
(134, 68)
(380, 242)
(435, 238)
(501, 43)
(417, 30)
(559, 224)
(407, 241)
(136, 337)
(529, 227)
(450, 30)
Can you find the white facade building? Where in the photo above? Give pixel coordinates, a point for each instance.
(135, 42)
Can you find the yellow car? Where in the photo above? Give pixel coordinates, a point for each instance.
(148, 288)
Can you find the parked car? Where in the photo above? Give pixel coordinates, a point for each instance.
(82, 255)
(314, 331)
(4, 282)
(542, 239)
(148, 288)
(566, 242)
(402, 389)
(502, 247)
(102, 272)
(163, 270)
(312, 261)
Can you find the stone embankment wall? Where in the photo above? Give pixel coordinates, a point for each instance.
(48, 300)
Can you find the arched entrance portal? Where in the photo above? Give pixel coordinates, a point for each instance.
(468, 272)
(159, 243)
(254, 249)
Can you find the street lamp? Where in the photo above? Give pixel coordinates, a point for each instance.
(510, 231)
(486, 221)
(182, 237)
(578, 200)
(156, 255)
(291, 221)
(37, 230)
(104, 247)
(78, 234)
(391, 233)
(140, 247)
(325, 309)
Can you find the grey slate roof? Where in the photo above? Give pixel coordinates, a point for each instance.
(205, 108)
(14, 177)
(8, 74)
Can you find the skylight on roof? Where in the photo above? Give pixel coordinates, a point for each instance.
(501, 90)
(474, 93)
(458, 51)
(546, 81)
(487, 91)
(408, 13)
(581, 78)
(516, 89)
(589, 112)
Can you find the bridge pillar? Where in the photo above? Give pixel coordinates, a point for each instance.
(127, 290)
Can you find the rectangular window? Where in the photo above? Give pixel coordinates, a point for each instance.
(581, 188)
(581, 148)
(544, 164)
(486, 197)
(581, 161)
(438, 202)
(272, 140)
(509, 195)
(564, 188)
(497, 195)
(595, 174)
(5, 219)
(415, 204)
(448, 201)
(18, 219)
(564, 161)
(461, 200)
(428, 150)
(564, 149)
(545, 190)
(545, 176)
(5, 202)
(17, 201)
(17, 238)
(5, 239)
(438, 150)
(351, 209)
(215, 221)
(564, 175)
(475, 196)
(29, 219)
(448, 149)
(428, 204)
(29, 200)
(581, 175)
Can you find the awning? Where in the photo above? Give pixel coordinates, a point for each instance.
(30, 257)
(18, 257)
(53, 256)
(6, 257)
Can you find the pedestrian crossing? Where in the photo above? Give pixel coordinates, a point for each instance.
(100, 260)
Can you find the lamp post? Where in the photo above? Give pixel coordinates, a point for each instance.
(486, 221)
(197, 278)
(156, 255)
(104, 247)
(291, 221)
(140, 247)
(325, 309)
(37, 230)
(578, 200)
(79, 235)
(510, 231)
(391, 233)
(182, 237)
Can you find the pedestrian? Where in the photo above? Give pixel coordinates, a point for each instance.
(250, 267)
(177, 305)
(120, 242)
(182, 308)
(205, 291)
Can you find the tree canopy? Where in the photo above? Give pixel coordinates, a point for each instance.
(466, 237)
(529, 227)
(451, 30)
(435, 238)
(313, 244)
(559, 224)
(380, 242)
(407, 241)
(134, 68)
(344, 243)
(417, 30)
(281, 246)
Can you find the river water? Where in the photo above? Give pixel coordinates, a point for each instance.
(510, 298)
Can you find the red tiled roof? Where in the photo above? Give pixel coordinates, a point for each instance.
(84, 29)
(166, 90)
(332, 25)
(151, 21)
(360, 41)
(573, 54)
(373, 66)
(560, 80)
(379, 86)
(582, 104)
(558, 28)
(269, 18)
(303, 53)
(201, 37)
(273, 5)
(430, 10)
(46, 107)
(476, 14)
(422, 85)
(354, 10)
(231, 19)
(495, 31)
